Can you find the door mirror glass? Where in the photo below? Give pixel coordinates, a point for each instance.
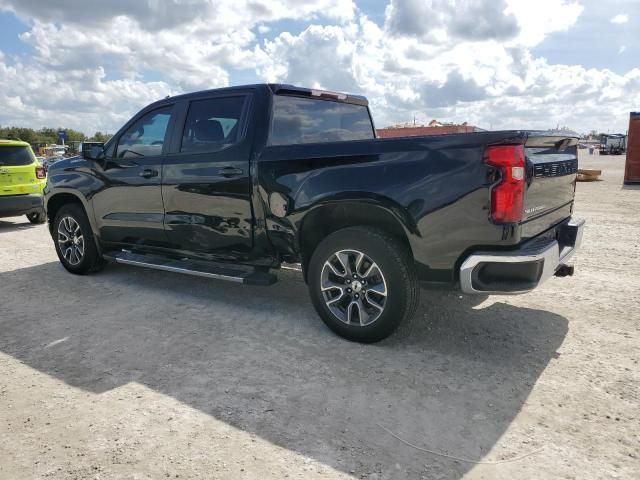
(93, 150)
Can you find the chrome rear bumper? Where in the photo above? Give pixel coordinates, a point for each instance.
(521, 270)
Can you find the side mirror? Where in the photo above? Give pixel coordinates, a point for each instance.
(93, 150)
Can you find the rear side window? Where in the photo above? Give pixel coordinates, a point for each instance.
(306, 120)
(212, 124)
(145, 137)
(15, 156)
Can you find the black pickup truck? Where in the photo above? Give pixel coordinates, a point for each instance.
(231, 183)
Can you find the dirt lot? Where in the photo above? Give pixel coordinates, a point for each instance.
(132, 373)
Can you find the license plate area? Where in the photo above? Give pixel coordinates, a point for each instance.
(13, 178)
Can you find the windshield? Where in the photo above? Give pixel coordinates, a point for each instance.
(15, 156)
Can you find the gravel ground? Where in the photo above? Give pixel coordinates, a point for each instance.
(133, 373)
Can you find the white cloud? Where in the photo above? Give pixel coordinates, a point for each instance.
(190, 44)
(537, 19)
(319, 55)
(620, 18)
(490, 82)
(461, 61)
(154, 15)
(442, 20)
(78, 99)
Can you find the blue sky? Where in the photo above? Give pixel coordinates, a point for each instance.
(10, 29)
(91, 64)
(595, 42)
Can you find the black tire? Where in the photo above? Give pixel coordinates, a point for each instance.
(397, 273)
(90, 260)
(37, 217)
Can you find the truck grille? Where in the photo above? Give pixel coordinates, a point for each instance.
(555, 169)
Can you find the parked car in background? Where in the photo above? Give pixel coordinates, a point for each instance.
(613, 144)
(56, 150)
(22, 180)
(231, 183)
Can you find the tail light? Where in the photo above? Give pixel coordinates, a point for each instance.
(41, 172)
(507, 197)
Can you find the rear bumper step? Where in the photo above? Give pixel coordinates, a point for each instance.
(231, 273)
(522, 270)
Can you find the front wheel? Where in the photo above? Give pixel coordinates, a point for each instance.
(363, 284)
(74, 241)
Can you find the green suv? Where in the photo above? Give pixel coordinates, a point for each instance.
(22, 180)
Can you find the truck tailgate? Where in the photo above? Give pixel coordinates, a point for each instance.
(552, 164)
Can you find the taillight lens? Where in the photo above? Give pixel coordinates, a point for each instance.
(507, 197)
(41, 172)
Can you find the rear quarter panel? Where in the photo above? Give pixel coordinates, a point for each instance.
(435, 186)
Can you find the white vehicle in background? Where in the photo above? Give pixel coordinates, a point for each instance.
(613, 144)
(56, 151)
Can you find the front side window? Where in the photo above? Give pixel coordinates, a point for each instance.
(212, 124)
(146, 136)
(307, 120)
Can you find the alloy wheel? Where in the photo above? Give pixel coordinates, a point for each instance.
(70, 240)
(353, 287)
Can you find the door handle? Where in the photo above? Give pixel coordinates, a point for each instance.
(148, 173)
(230, 172)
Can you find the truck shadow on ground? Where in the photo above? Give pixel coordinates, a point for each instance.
(259, 359)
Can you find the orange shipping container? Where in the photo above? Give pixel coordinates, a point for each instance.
(632, 167)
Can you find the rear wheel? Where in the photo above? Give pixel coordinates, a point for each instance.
(37, 217)
(74, 241)
(363, 283)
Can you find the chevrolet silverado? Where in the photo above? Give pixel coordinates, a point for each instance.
(232, 183)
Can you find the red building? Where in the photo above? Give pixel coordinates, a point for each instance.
(434, 128)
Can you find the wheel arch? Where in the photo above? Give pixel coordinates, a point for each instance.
(57, 200)
(325, 218)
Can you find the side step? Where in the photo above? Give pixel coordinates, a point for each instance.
(220, 271)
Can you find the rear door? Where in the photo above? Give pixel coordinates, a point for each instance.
(129, 209)
(18, 171)
(552, 165)
(206, 183)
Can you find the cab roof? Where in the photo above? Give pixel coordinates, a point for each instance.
(281, 89)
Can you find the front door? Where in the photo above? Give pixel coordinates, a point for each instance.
(129, 209)
(206, 184)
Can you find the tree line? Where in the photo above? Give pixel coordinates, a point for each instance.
(49, 135)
